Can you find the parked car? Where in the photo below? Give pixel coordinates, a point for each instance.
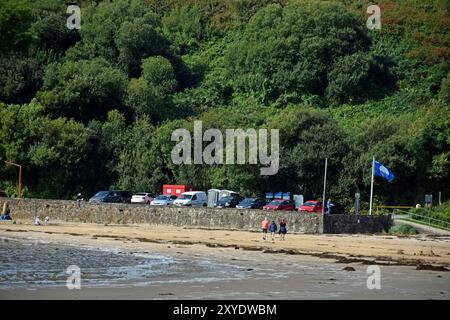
(143, 197)
(280, 204)
(228, 201)
(114, 196)
(311, 206)
(192, 198)
(163, 200)
(337, 208)
(251, 203)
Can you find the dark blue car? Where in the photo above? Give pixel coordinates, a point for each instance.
(114, 196)
(251, 203)
(228, 201)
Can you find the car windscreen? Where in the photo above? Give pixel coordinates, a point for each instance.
(161, 198)
(275, 202)
(309, 204)
(248, 200)
(101, 194)
(185, 196)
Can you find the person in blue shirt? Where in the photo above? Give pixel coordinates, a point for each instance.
(273, 228)
(6, 213)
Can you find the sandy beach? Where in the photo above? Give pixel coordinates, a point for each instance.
(229, 264)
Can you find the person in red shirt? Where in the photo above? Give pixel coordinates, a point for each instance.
(265, 226)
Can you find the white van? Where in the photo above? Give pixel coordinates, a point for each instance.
(191, 198)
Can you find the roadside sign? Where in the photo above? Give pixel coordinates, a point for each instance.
(357, 202)
(298, 199)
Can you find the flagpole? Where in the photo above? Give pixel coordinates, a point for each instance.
(324, 185)
(371, 187)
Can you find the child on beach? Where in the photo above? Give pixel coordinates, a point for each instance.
(273, 228)
(283, 229)
(264, 226)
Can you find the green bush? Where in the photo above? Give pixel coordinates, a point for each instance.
(403, 229)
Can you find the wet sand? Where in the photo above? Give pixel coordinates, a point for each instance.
(302, 267)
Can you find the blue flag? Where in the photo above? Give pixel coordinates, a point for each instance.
(383, 171)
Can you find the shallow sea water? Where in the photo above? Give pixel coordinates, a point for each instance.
(31, 268)
(28, 263)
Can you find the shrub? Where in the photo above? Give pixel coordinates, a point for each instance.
(403, 229)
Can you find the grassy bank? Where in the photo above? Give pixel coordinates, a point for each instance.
(439, 215)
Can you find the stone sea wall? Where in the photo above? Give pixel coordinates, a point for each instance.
(343, 223)
(61, 210)
(211, 218)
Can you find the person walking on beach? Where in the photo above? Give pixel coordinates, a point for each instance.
(264, 226)
(273, 228)
(283, 229)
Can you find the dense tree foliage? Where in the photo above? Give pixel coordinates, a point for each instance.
(15, 22)
(95, 108)
(302, 49)
(83, 90)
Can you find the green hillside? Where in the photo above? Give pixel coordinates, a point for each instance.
(90, 109)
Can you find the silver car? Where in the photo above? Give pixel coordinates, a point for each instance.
(163, 200)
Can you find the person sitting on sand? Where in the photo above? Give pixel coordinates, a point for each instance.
(283, 229)
(37, 221)
(6, 213)
(273, 228)
(264, 226)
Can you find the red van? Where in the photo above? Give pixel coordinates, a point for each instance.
(177, 189)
